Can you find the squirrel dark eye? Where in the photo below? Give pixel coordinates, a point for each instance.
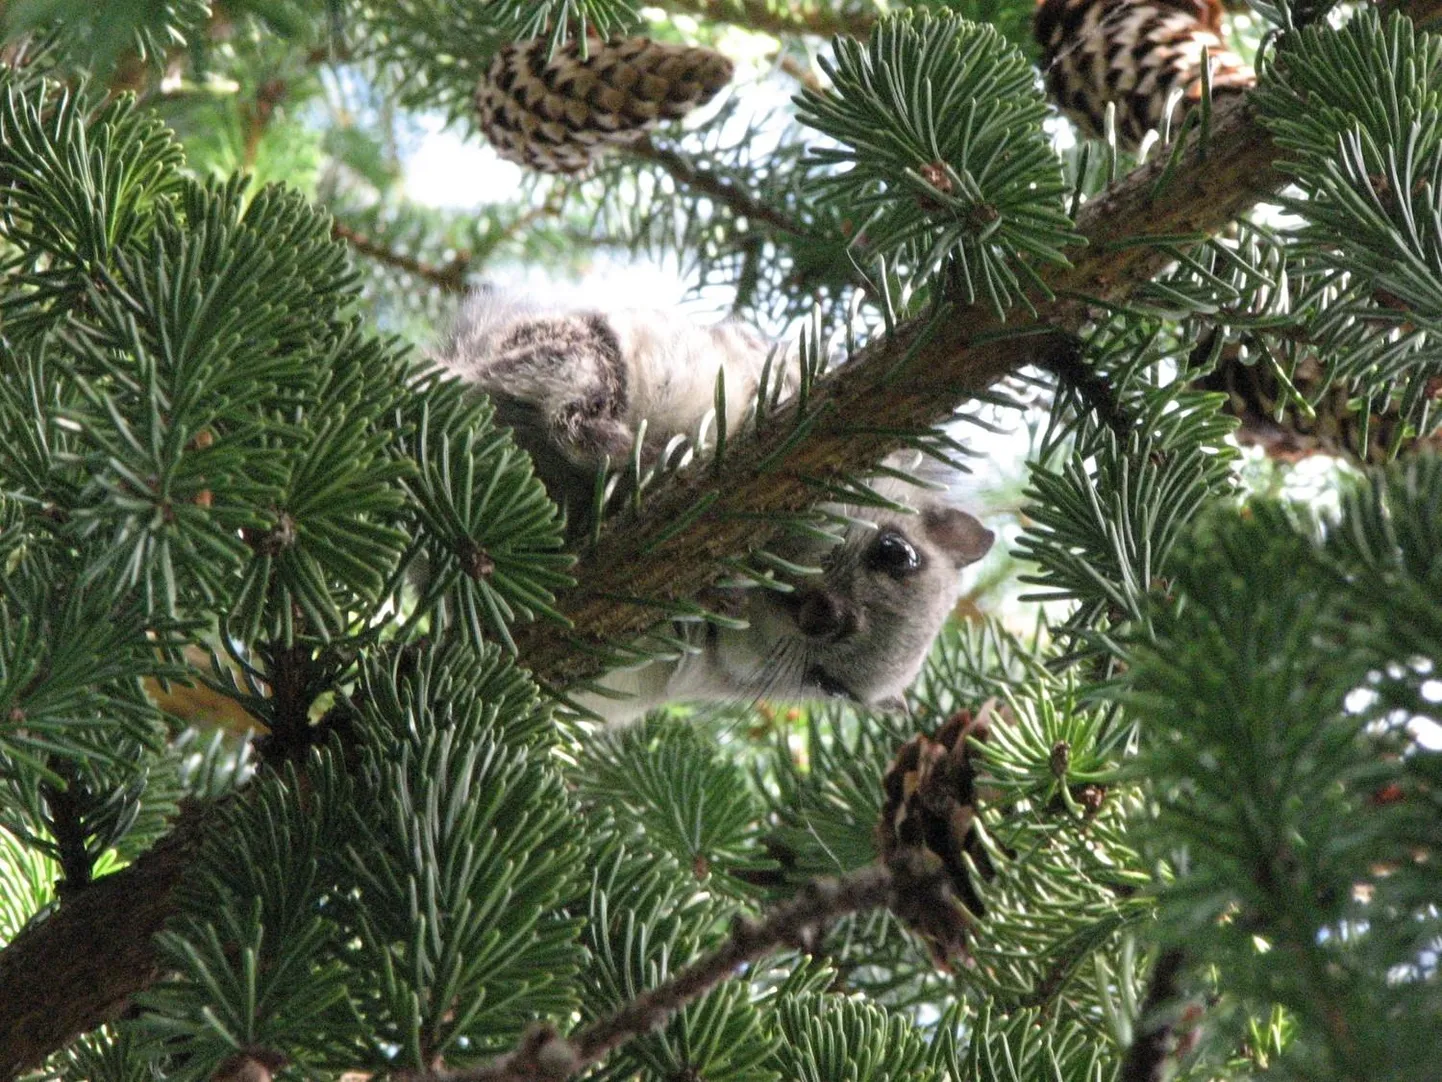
(894, 555)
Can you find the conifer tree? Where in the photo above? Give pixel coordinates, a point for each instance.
(1186, 822)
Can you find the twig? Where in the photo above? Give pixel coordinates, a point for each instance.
(722, 189)
(1093, 389)
(546, 1056)
(68, 826)
(296, 679)
(1157, 1039)
(451, 277)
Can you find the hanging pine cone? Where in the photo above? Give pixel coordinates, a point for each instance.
(928, 828)
(1333, 425)
(557, 115)
(1134, 53)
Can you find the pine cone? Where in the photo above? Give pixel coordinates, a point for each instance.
(928, 828)
(1333, 425)
(1134, 53)
(558, 115)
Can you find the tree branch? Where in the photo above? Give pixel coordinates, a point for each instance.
(67, 826)
(910, 380)
(713, 185)
(546, 1056)
(800, 72)
(451, 278)
(73, 970)
(1157, 1039)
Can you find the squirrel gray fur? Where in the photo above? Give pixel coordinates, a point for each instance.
(575, 384)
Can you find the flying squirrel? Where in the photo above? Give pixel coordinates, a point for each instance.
(574, 386)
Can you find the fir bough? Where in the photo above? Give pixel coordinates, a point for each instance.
(1303, 883)
(940, 123)
(1208, 804)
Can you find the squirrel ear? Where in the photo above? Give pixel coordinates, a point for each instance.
(958, 534)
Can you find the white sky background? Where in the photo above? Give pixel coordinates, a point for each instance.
(446, 170)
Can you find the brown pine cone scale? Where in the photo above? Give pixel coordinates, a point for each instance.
(558, 114)
(1135, 53)
(928, 831)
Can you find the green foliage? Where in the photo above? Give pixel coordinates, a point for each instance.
(561, 20)
(1390, 535)
(1022, 1045)
(647, 917)
(96, 36)
(492, 535)
(90, 811)
(1293, 14)
(1291, 863)
(209, 449)
(1366, 148)
(107, 1056)
(1065, 882)
(206, 440)
(1386, 89)
(972, 662)
(824, 797)
(189, 331)
(70, 663)
(839, 1037)
(351, 915)
(27, 878)
(253, 954)
(78, 188)
(695, 803)
(1106, 517)
(1011, 21)
(821, 785)
(220, 428)
(940, 123)
(460, 857)
(451, 678)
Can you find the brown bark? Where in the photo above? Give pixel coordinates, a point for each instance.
(75, 969)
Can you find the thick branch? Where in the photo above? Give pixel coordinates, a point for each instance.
(73, 970)
(914, 378)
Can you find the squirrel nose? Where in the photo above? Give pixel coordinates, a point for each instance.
(821, 615)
